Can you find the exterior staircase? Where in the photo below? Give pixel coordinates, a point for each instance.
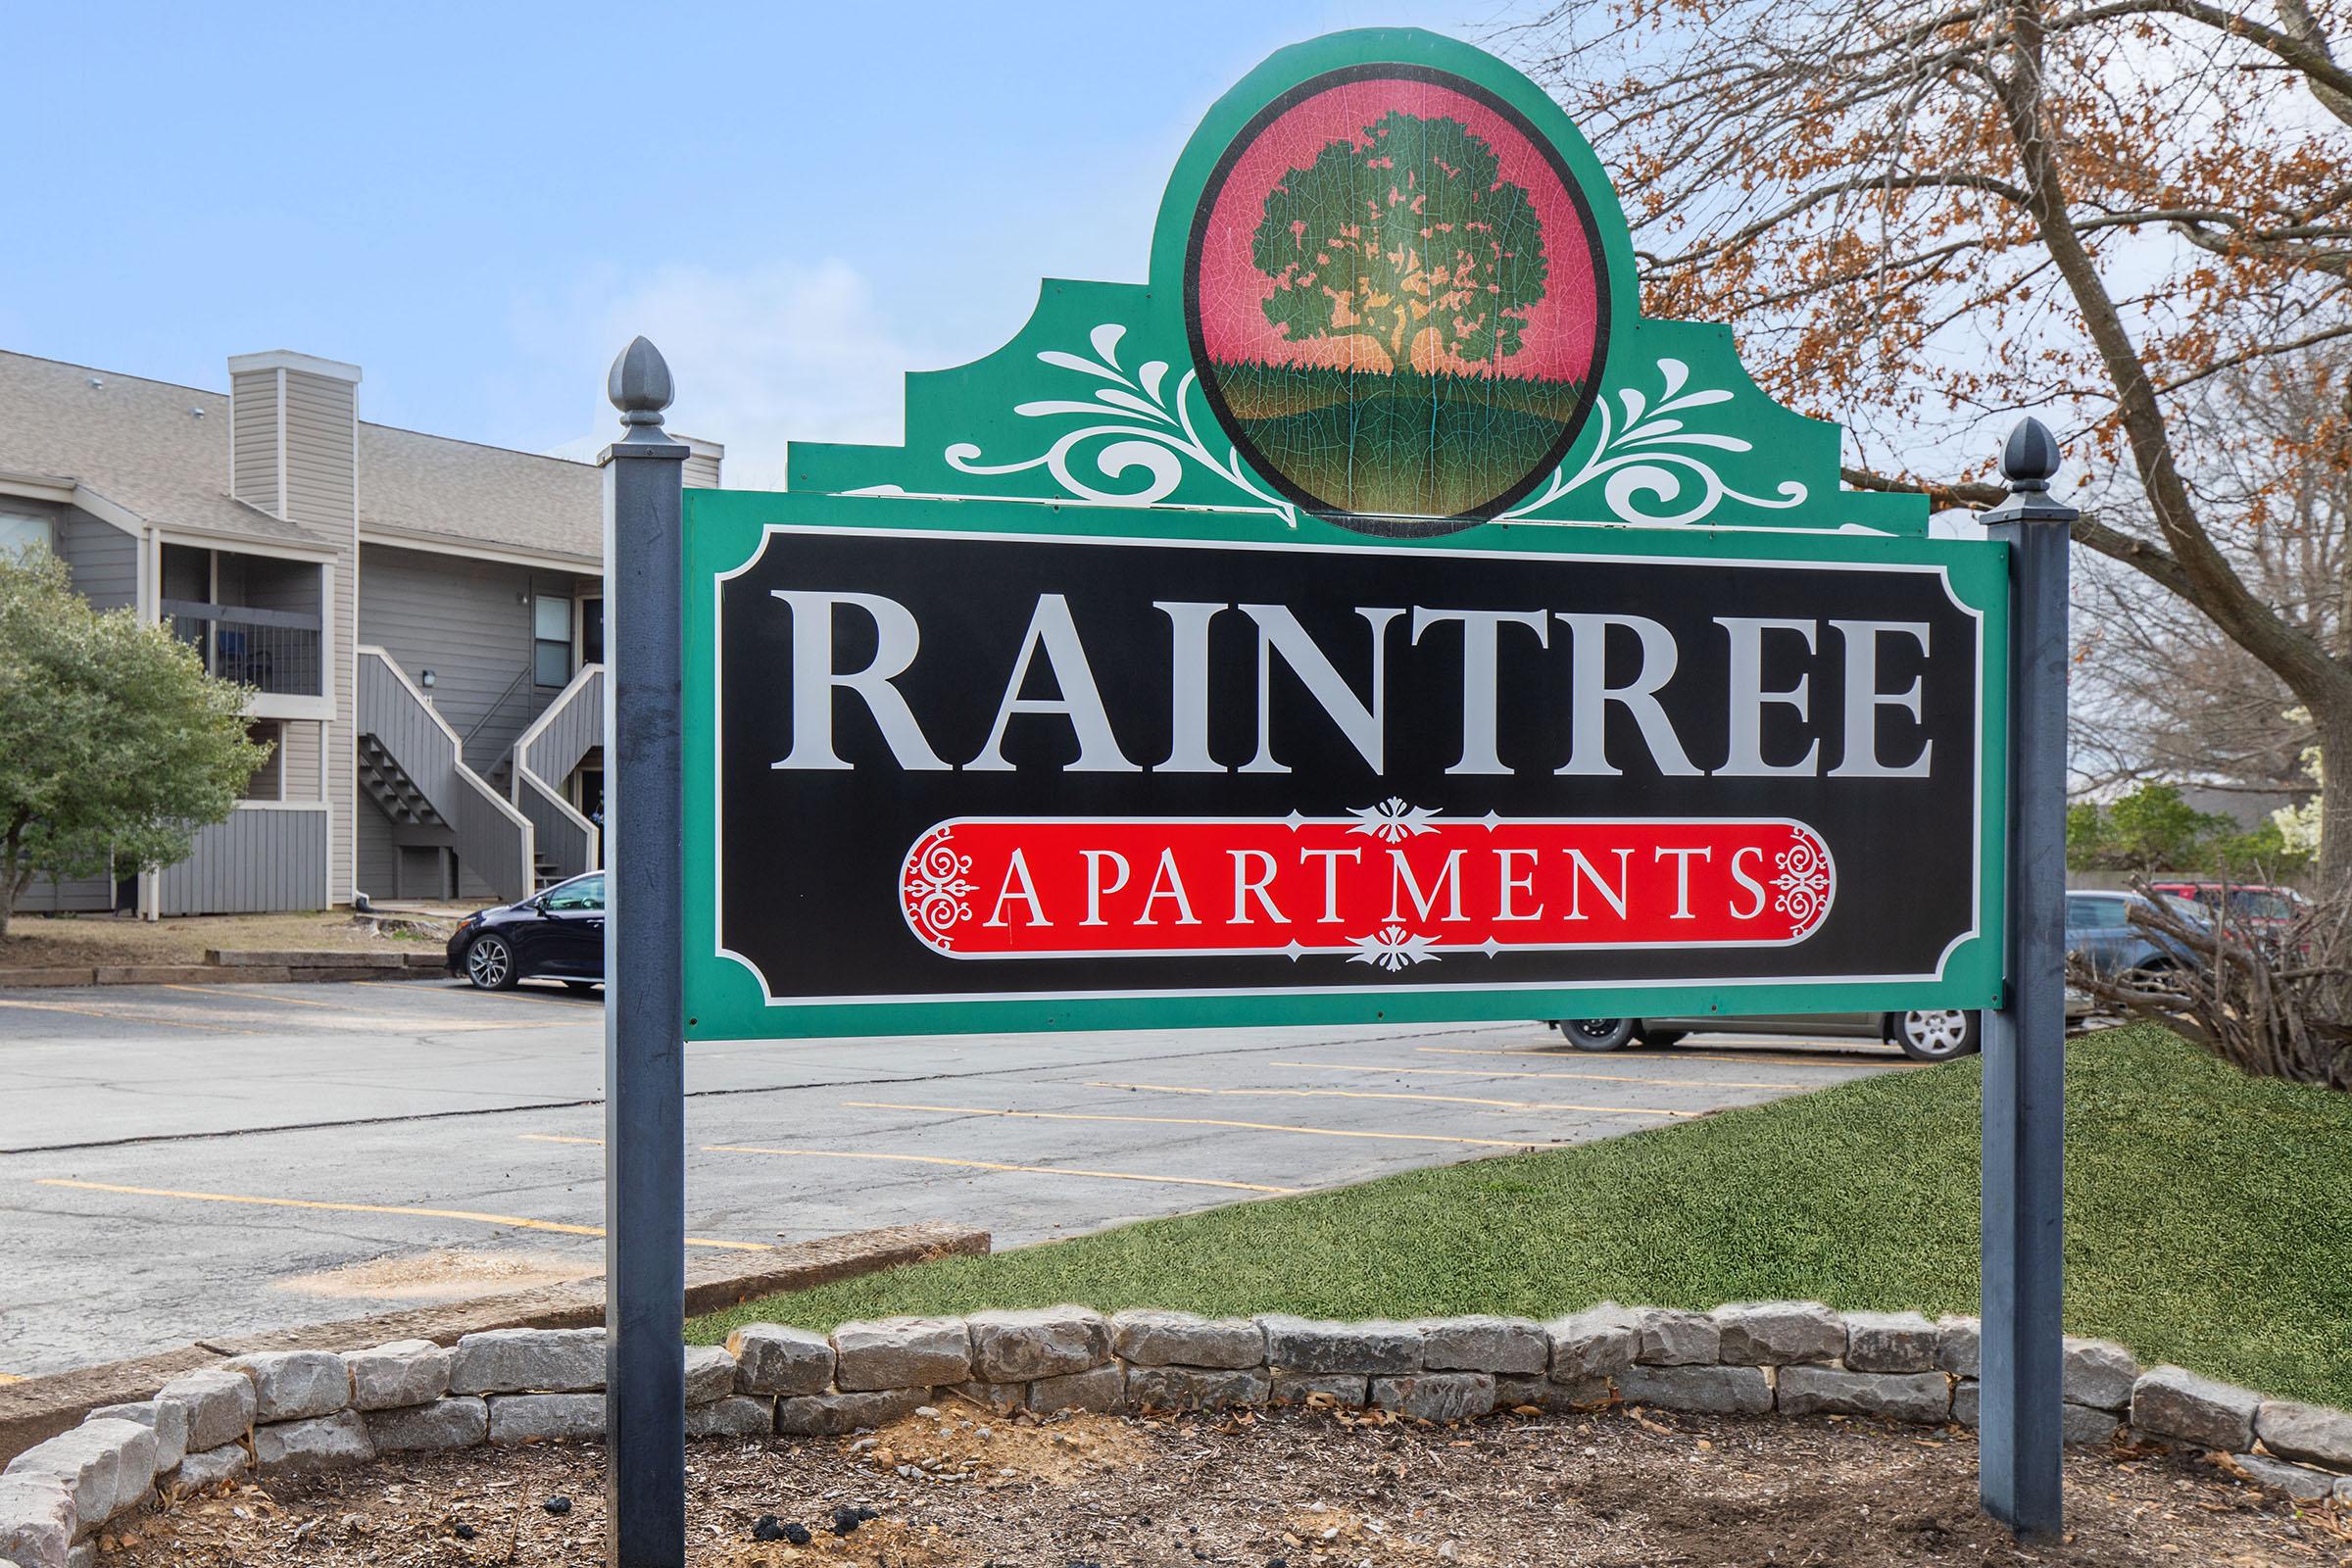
(544, 756)
(402, 800)
(412, 765)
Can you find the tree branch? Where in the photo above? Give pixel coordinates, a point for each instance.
(2311, 59)
(2150, 560)
(1948, 179)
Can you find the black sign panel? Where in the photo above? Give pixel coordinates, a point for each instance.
(964, 766)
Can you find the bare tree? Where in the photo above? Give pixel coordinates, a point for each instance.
(2160, 691)
(1923, 213)
(2275, 1002)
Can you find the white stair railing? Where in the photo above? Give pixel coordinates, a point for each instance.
(545, 754)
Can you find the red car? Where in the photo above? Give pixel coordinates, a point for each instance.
(2259, 909)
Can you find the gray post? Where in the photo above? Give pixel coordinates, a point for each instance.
(2025, 1045)
(644, 1078)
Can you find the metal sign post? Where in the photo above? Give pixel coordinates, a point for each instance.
(645, 1080)
(2025, 1042)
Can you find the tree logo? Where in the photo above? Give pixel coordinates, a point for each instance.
(1410, 242)
(1394, 299)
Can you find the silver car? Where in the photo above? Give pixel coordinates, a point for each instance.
(1931, 1035)
(1927, 1035)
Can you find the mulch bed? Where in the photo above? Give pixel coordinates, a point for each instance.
(1314, 1489)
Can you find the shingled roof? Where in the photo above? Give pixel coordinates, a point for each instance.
(149, 447)
(161, 451)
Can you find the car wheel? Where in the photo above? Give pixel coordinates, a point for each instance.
(490, 964)
(1938, 1034)
(1597, 1034)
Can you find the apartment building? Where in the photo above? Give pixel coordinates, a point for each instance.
(420, 619)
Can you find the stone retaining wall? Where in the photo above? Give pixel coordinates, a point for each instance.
(313, 1409)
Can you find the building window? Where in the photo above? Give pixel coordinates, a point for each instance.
(592, 632)
(551, 640)
(20, 531)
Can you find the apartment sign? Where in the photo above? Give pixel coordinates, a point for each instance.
(1372, 618)
(1364, 777)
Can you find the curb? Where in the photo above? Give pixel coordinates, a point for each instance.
(240, 967)
(41, 1407)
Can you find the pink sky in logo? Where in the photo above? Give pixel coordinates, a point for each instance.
(1559, 336)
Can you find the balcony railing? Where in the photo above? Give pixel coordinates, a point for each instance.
(276, 650)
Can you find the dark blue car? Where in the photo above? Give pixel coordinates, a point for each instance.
(557, 935)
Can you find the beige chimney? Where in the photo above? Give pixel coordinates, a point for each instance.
(293, 452)
(702, 463)
(293, 448)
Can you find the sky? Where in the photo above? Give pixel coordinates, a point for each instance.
(480, 203)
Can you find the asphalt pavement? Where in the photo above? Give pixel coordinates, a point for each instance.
(189, 1162)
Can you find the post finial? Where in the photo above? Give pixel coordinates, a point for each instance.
(2030, 461)
(2029, 457)
(640, 384)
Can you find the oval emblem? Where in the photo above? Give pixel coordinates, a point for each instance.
(1395, 294)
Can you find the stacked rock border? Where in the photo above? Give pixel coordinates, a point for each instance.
(301, 1410)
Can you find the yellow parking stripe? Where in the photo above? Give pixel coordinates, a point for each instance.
(126, 1018)
(1366, 1093)
(1785, 1060)
(510, 1220)
(257, 996)
(990, 1165)
(1489, 1072)
(1198, 1121)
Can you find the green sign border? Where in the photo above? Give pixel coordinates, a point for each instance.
(724, 1000)
(1096, 401)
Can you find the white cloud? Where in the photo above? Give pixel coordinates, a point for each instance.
(786, 351)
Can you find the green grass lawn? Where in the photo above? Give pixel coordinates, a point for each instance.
(2208, 1222)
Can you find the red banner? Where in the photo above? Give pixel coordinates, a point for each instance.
(1390, 885)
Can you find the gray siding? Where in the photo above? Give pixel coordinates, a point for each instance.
(294, 453)
(459, 620)
(572, 731)
(265, 582)
(267, 782)
(493, 843)
(104, 560)
(253, 444)
(322, 494)
(377, 857)
(299, 760)
(82, 895)
(187, 573)
(471, 886)
(264, 858)
(421, 874)
(321, 452)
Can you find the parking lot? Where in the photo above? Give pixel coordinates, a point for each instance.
(190, 1160)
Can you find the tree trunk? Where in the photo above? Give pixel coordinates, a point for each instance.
(2333, 720)
(14, 873)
